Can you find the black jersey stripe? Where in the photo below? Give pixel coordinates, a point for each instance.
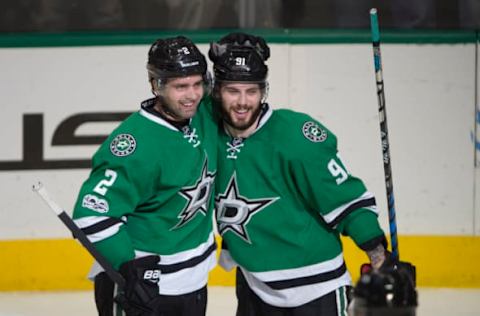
(312, 279)
(100, 226)
(224, 245)
(374, 242)
(354, 206)
(172, 268)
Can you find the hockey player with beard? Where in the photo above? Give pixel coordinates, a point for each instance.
(283, 195)
(147, 204)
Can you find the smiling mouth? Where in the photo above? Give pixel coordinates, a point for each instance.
(242, 112)
(188, 105)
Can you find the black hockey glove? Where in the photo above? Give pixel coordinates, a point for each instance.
(404, 267)
(388, 291)
(141, 286)
(389, 264)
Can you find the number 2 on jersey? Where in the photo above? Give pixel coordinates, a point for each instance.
(102, 186)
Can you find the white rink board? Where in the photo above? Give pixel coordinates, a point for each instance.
(430, 104)
(429, 91)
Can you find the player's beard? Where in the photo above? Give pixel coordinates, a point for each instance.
(241, 125)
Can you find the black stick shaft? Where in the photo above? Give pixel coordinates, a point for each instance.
(382, 110)
(80, 236)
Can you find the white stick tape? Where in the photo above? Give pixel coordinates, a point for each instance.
(42, 191)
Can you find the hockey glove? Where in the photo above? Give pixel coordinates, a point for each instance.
(404, 267)
(389, 264)
(141, 286)
(388, 291)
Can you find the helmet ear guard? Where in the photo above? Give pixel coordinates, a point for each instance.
(208, 82)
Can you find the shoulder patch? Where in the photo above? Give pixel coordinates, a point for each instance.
(123, 145)
(95, 203)
(313, 132)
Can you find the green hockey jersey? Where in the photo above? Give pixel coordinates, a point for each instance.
(150, 191)
(283, 198)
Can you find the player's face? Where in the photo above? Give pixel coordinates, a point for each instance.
(241, 106)
(181, 97)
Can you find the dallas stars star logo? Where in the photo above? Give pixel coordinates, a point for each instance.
(197, 197)
(235, 211)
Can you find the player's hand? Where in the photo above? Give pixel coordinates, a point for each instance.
(141, 287)
(377, 256)
(404, 267)
(387, 264)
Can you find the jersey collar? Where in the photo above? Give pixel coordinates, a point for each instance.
(147, 111)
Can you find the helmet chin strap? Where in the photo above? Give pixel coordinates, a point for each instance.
(160, 101)
(265, 93)
(161, 107)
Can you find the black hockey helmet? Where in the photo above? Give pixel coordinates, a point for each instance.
(175, 57)
(239, 57)
(388, 292)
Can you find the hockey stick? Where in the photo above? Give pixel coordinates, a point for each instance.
(80, 235)
(384, 133)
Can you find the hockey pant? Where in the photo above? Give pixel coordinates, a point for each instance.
(191, 304)
(249, 304)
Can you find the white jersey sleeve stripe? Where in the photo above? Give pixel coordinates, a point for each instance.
(332, 217)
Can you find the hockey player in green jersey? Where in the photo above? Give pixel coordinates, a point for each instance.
(147, 204)
(283, 195)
